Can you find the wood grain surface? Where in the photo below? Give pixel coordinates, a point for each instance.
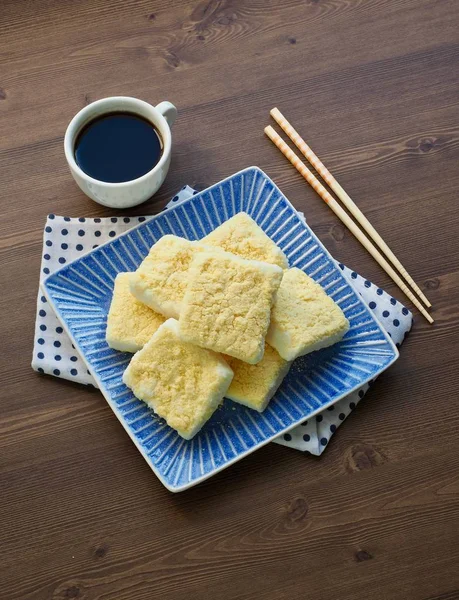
(372, 85)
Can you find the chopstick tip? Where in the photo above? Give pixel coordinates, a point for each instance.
(426, 315)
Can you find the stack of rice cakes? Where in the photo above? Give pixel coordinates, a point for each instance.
(220, 317)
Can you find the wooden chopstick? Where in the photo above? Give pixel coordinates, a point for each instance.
(344, 217)
(345, 199)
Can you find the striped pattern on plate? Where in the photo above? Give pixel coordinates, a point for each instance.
(81, 293)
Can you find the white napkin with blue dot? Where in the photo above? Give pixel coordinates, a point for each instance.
(67, 238)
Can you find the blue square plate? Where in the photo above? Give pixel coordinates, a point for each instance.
(81, 293)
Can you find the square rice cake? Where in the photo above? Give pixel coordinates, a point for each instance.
(161, 279)
(227, 304)
(130, 324)
(182, 383)
(242, 236)
(255, 385)
(304, 318)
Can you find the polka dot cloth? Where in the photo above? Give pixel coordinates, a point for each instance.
(67, 238)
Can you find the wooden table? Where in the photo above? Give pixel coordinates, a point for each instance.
(372, 86)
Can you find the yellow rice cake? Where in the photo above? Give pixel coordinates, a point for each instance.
(304, 318)
(255, 385)
(242, 236)
(130, 324)
(227, 304)
(161, 279)
(182, 383)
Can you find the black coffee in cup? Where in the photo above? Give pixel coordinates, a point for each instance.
(117, 147)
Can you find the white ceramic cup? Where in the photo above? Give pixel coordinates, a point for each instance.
(125, 193)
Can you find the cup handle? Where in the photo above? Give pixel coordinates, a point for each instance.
(168, 110)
